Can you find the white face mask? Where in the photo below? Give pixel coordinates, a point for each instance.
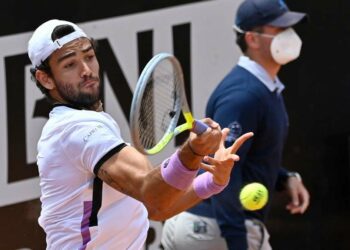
(286, 46)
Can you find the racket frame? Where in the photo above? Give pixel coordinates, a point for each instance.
(181, 105)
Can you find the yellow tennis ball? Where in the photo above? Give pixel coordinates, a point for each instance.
(253, 196)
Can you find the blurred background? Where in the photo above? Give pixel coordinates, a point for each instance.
(199, 33)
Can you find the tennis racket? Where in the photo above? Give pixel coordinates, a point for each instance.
(158, 101)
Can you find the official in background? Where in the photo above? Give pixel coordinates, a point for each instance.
(249, 98)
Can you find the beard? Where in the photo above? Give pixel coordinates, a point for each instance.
(76, 97)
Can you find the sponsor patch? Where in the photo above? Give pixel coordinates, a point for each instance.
(235, 131)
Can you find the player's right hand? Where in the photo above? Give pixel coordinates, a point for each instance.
(208, 142)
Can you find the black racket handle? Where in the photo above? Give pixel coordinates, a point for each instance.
(199, 127)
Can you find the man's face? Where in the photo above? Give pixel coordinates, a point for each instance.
(267, 33)
(75, 72)
(264, 38)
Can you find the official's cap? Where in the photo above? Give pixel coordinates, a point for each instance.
(254, 13)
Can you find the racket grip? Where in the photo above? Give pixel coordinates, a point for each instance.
(199, 127)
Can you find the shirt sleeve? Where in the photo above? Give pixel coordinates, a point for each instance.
(85, 143)
(281, 179)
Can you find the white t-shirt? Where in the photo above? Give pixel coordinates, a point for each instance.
(73, 142)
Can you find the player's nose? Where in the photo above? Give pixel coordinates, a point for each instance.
(85, 70)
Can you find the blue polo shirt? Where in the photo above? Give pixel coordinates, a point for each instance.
(247, 100)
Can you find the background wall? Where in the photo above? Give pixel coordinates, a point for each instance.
(199, 33)
(317, 97)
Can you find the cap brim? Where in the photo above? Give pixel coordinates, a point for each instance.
(288, 19)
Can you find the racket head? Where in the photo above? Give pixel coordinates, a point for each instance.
(157, 104)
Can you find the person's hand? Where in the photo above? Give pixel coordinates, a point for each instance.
(207, 142)
(223, 161)
(299, 196)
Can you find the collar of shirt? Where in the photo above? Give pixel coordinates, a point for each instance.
(259, 72)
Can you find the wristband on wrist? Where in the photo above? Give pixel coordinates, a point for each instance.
(176, 174)
(204, 186)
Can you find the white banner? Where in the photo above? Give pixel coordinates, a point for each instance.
(213, 53)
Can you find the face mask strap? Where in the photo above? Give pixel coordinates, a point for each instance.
(264, 34)
(239, 30)
(272, 36)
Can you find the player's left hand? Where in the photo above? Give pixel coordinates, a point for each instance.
(299, 196)
(223, 161)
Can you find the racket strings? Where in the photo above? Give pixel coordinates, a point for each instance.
(160, 104)
(146, 125)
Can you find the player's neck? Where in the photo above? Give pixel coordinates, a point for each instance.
(97, 106)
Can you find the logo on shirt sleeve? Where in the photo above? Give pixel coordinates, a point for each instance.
(91, 132)
(235, 131)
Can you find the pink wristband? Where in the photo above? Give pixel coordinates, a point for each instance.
(204, 186)
(176, 174)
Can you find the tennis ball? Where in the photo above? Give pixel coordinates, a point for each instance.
(253, 196)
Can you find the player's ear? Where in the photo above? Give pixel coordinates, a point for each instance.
(45, 79)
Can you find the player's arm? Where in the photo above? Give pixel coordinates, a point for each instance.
(218, 168)
(131, 173)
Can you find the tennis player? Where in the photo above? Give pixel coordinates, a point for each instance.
(97, 192)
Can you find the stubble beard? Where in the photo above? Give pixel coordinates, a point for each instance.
(77, 98)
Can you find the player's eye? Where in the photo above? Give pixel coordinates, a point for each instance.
(69, 65)
(90, 57)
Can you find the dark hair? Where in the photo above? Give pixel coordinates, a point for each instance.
(59, 32)
(240, 37)
(240, 41)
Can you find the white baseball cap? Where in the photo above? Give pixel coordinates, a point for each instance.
(41, 45)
